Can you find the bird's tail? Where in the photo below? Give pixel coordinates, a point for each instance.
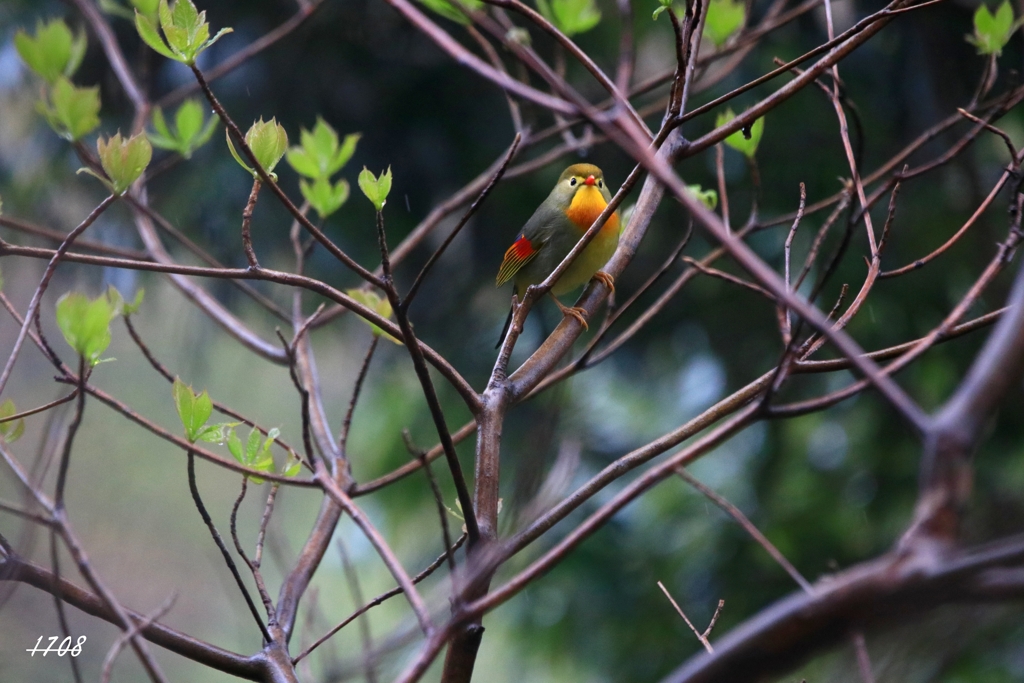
(504, 330)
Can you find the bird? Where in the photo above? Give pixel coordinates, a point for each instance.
(578, 198)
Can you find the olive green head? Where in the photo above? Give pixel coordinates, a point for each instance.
(572, 180)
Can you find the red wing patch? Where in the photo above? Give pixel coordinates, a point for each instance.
(518, 255)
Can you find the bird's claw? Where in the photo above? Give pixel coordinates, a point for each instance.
(607, 279)
(576, 312)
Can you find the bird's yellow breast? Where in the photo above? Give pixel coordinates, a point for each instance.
(587, 204)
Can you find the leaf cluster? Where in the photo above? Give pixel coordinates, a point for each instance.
(85, 324)
(318, 156)
(189, 132)
(123, 161)
(194, 411)
(54, 54)
(186, 32)
(268, 141)
(993, 31)
(376, 188)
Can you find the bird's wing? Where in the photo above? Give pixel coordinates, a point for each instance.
(518, 255)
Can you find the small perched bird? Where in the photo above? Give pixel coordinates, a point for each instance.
(579, 197)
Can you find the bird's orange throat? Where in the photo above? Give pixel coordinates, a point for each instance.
(587, 204)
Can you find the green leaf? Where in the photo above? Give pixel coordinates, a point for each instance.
(320, 155)
(206, 133)
(379, 305)
(263, 462)
(160, 125)
(121, 306)
(176, 36)
(344, 153)
(183, 400)
(376, 189)
(71, 111)
(11, 430)
(303, 162)
(252, 456)
(220, 34)
(268, 142)
(147, 7)
(203, 407)
(252, 446)
(189, 131)
(658, 11)
(85, 324)
(993, 32)
(189, 119)
(115, 299)
(53, 52)
(744, 141)
(124, 160)
(573, 17)
(185, 16)
(15, 434)
(292, 465)
(724, 18)
(77, 54)
(217, 433)
(235, 446)
(237, 157)
(323, 196)
(150, 36)
(545, 10)
(450, 10)
(193, 410)
(708, 198)
(185, 30)
(133, 307)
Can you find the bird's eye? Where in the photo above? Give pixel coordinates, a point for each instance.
(600, 183)
(572, 182)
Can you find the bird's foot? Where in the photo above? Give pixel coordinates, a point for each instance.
(576, 312)
(607, 279)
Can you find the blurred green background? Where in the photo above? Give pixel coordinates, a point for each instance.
(829, 489)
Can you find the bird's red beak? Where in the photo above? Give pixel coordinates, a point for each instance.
(590, 180)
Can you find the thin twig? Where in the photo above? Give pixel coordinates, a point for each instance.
(747, 525)
(250, 206)
(509, 155)
(46, 406)
(228, 560)
(381, 598)
(115, 649)
(427, 386)
(356, 390)
(37, 296)
(702, 637)
(863, 658)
